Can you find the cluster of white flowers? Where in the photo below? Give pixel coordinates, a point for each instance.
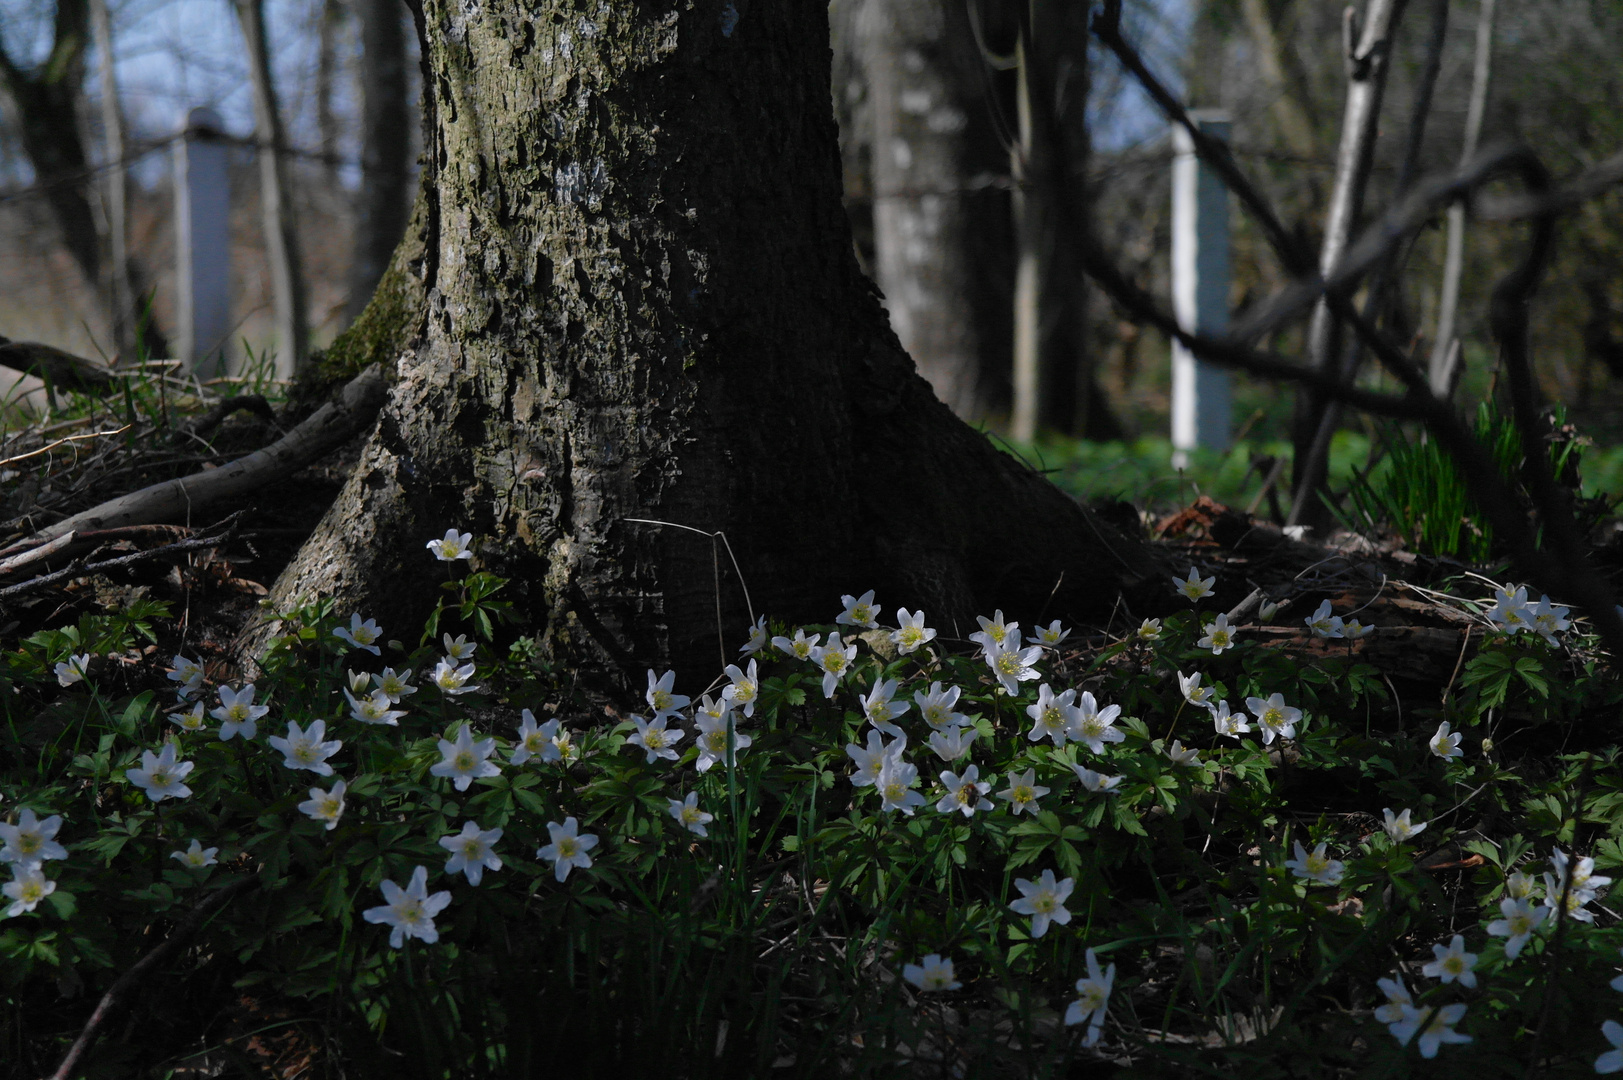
(1325, 625)
(29, 845)
(1512, 613)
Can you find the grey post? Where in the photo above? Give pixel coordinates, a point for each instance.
(203, 237)
(1200, 291)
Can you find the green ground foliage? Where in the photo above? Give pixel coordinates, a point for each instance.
(1242, 894)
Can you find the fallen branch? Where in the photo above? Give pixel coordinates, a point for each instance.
(79, 568)
(126, 983)
(175, 501)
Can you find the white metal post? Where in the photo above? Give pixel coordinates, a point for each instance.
(203, 237)
(1200, 291)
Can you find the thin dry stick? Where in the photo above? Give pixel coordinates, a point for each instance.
(48, 447)
(1444, 354)
(126, 983)
(742, 584)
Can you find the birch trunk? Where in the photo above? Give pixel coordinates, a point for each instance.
(642, 302)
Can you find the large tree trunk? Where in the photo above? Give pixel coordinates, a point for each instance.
(642, 302)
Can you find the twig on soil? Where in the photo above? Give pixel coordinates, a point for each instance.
(48, 447)
(79, 568)
(113, 999)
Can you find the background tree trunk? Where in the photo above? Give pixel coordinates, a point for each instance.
(385, 197)
(918, 73)
(641, 301)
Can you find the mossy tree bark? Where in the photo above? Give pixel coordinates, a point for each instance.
(641, 302)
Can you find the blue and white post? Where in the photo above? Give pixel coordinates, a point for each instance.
(1200, 291)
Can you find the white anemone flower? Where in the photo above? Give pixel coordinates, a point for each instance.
(1275, 719)
(1612, 1060)
(1194, 587)
(238, 715)
(800, 646)
(452, 546)
(27, 887)
(1096, 726)
(1548, 619)
(1097, 783)
(660, 697)
(188, 673)
(712, 740)
(859, 611)
(568, 848)
(911, 634)
(1521, 920)
(1219, 636)
(1050, 635)
(1229, 724)
(72, 669)
(994, 632)
(374, 709)
(895, 785)
(409, 912)
(1316, 866)
(160, 775)
(1054, 716)
(1583, 874)
(1397, 999)
(1093, 999)
(966, 793)
(757, 638)
(870, 759)
(1044, 900)
(302, 748)
(197, 856)
(950, 744)
(1399, 827)
(937, 706)
(1182, 755)
(1013, 665)
(1323, 624)
(834, 658)
(535, 741)
(1148, 630)
(1445, 745)
(743, 688)
(1520, 886)
(1452, 963)
(465, 760)
(932, 974)
(1435, 1026)
(687, 814)
(357, 681)
(192, 720)
(361, 635)
(323, 805)
(655, 739)
(397, 686)
(1023, 792)
(471, 852)
(31, 841)
(1193, 692)
(1510, 611)
(880, 708)
(458, 648)
(451, 679)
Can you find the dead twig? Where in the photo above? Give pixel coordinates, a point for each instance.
(79, 568)
(114, 999)
(48, 447)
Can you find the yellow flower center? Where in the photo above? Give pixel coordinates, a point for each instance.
(802, 649)
(1022, 794)
(690, 815)
(1009, 664)
(32, 892)
(567, 848)
(662, 699)
(473, 849)
(862, 613)
(895, 791)
(912, 635)
(1317, 864)
(1043, 903)
(744, 691)
(655, 739)
(465, 761)
(330, 807)
(28, 843)
(834, 662)
(1053, 718)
